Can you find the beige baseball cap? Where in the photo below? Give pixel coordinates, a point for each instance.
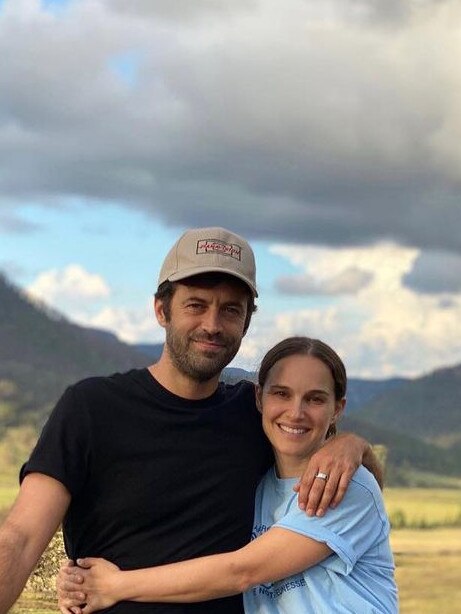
(207, 250)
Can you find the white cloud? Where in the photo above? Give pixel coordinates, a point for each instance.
(131, 326)
(72, 285)
(83, 296)
(385, 329)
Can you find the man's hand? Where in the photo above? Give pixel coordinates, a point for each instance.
(337, 459)
(88, 587)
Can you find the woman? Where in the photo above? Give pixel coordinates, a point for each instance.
(341, 562)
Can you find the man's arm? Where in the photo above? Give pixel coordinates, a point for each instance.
(372, 463)
(338, 458)
(27, 530)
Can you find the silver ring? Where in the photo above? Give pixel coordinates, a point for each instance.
(322, 476)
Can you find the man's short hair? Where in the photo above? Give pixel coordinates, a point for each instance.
(167, 289)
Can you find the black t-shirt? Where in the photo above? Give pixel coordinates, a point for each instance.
(154, 478)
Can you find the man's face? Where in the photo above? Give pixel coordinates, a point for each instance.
(205, 328)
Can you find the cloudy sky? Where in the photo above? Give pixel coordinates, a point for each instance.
(327, 133)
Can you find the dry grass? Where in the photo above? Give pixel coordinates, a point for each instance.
(33, 604)
(428, 569)
(9, 486)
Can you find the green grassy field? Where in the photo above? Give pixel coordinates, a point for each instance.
(428, 560)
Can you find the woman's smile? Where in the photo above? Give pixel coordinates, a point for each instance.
(292, 430)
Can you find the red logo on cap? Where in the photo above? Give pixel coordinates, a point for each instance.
(204, 246)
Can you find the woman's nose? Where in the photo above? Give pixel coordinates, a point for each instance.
(296, 408)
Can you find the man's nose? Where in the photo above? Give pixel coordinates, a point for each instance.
(211, 321)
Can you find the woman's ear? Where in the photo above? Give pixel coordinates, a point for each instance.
(258, 398)
(339, 408)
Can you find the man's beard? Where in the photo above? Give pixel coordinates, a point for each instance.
(200, 366)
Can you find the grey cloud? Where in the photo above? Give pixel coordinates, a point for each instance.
(374, 12)
(13, 224)
(435, 273)
(284, 131)
(178, 10)
(392, 12)
(349, 281)
(447, 303)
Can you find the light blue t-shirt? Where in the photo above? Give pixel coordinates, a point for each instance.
(358, 578)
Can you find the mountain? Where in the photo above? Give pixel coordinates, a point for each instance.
(404, 450)
(151, 350)
(428, 407)
(360, 392)
(41, 353)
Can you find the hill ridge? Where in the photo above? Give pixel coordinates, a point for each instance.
(42, 352)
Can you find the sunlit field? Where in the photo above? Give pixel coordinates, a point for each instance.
(428, 569)
(8, 489)
(423, 507)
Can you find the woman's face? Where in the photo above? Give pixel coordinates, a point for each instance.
(298, 405)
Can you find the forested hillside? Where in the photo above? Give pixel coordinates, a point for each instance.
(428, 407)
(41, 353)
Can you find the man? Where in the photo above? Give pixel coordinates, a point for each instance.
(161, 464)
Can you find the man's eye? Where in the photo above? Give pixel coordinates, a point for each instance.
(235, 311)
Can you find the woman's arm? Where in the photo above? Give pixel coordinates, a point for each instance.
(277, 554)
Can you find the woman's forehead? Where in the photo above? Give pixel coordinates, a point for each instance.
(300, 369)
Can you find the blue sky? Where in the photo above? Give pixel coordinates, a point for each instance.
(327, 134)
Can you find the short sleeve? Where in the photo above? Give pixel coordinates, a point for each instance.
(63, 448)
(351, 529)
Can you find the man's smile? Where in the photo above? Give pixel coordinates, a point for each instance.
(208, 344)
